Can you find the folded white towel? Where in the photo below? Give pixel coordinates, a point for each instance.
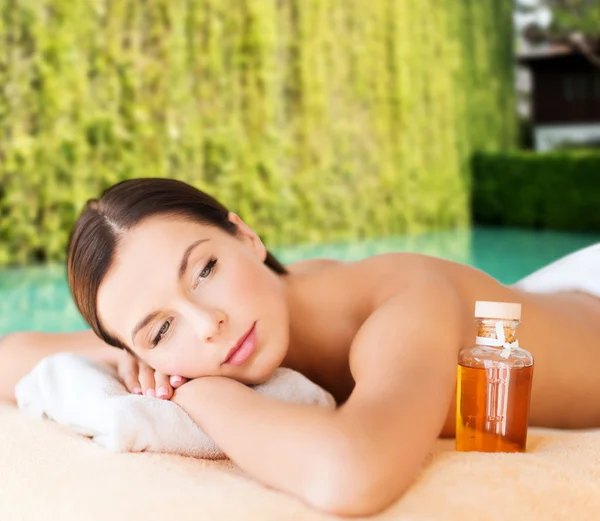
(578, 271)
(88, 398)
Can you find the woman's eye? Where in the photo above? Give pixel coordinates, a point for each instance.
(205, 273)
(163, 331)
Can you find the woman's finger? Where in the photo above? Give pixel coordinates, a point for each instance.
(177, 381)
(147, 379)
(127, 369)
(163, 387)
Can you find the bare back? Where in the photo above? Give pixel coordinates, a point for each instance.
(561, 330)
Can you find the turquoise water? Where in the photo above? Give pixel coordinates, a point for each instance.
(38, 298)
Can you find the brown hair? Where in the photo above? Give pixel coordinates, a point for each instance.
(103, 222)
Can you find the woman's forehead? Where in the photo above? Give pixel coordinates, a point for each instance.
(166, 229)
(146, 268)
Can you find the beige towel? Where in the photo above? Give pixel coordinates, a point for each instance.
(49, 473)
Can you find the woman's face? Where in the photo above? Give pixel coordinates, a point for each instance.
(183, 295)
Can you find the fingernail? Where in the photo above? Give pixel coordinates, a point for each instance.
(162, 392)
(150, 392)
(136, 390)
(176, 380)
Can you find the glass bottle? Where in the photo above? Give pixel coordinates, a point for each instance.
(494, 383)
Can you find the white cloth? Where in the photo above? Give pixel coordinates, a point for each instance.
(579, 271)
(88, 398)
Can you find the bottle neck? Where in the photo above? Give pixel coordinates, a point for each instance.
(486, 328)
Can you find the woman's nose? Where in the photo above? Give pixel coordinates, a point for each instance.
(208, 323)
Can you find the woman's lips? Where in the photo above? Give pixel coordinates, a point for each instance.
(243, 349)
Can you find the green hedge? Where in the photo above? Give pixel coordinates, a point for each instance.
(315, 120)
(559, 190)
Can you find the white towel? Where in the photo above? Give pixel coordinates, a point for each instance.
(579, 271)
(88, 398)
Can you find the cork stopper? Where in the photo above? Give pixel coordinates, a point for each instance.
(499, 310)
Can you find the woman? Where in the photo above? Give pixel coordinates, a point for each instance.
(186, 289)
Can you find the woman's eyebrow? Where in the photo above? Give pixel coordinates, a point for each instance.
(186, 256)
(182, 267)
(142, 324)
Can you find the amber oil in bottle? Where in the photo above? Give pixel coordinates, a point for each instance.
(494, 384)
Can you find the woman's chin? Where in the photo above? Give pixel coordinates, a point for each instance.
(256, 377)
(258, 373)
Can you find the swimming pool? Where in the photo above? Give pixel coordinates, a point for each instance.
(38, 298)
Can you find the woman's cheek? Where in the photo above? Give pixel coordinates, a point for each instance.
(167, 360)
(245, 285)
(181, 363)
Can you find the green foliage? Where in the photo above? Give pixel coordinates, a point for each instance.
(576, 15)
(557, 190)
(569, 18)
(316, 121)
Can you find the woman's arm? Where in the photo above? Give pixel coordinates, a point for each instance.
(20, 352)
(357, 459)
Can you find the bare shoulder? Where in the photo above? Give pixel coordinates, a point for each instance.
(381, 276)
(389, 263)
(366, 283)
(310, 266)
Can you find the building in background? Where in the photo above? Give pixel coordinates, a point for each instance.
(526, 12)
(564, 98)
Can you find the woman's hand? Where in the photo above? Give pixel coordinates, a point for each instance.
(140, 378)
